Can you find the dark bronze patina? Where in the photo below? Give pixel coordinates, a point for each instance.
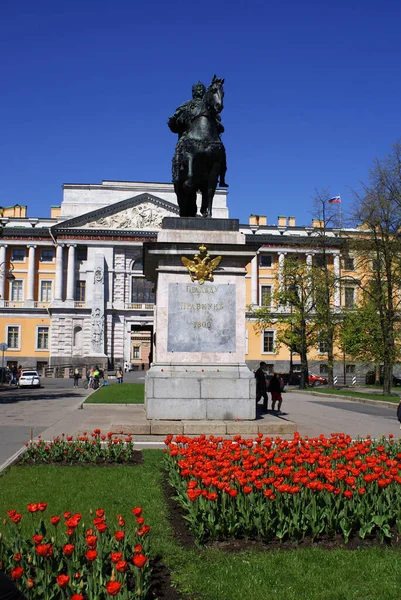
(200, 158)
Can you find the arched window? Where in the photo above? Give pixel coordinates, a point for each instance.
(138, 266)
(78, 336)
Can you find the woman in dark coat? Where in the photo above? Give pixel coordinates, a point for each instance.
(275, 390)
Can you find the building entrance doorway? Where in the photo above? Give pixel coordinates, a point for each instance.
(141, 346)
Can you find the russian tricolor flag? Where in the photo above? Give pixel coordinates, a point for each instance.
(335, 200)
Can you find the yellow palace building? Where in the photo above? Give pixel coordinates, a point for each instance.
(73, 292)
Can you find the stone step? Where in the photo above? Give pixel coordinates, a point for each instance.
(270, 426)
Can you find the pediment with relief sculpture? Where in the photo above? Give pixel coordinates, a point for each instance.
(143, 216)
(141, 213)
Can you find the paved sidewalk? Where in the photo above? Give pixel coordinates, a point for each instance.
(131, 419)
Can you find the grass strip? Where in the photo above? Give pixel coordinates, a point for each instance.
(125, 393)
(303, 574)
(379, 397)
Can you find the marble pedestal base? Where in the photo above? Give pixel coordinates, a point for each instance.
(200, 392)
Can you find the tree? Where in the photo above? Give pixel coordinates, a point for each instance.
(378, 251)
(292, 313)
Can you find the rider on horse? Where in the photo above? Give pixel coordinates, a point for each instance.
(180, 122)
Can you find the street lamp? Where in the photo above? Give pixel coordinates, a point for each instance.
(8, 272)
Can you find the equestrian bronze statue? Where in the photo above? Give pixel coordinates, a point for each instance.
(199, 161)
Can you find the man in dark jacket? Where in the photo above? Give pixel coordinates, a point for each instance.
(261, 388)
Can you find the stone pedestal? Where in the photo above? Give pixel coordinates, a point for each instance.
(199, 369)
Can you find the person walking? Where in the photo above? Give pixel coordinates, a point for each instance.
(76, 377)
(119, 375)
(275, 390)
(261, 387)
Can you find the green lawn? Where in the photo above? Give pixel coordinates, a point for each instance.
(125, 393)
(348, 392)
(304, 574)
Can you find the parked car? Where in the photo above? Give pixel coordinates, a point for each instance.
(396, 380)
(282, 384)
(29, 379)
(313, 380)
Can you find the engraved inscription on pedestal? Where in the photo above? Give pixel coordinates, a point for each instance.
(201, 318)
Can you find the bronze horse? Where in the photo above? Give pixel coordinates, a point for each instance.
(200, 156)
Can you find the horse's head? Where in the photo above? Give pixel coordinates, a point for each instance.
(215, 94)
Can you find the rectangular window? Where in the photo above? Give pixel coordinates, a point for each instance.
(349, 297)
(266, 295)
(268, 341)
(270, 369)
(320, 260)
(16, 290)
(46, 291)
(266, 261)
(80, 291)
(324, 369)
(135, 352)
(349, 264)
(142, 291)
(42, 341)
(13, 337)
(18, 254)
(47, 255)
(323, 346)
(82, 253)
(350, 369)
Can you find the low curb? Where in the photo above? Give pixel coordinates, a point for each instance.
(351, 398)
(13, 459)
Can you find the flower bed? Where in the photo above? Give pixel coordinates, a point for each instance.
(85, 449)
(277, 489)
(97, 563)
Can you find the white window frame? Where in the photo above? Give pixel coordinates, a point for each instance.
(260, 260)
(19, 336)
(45, 260)
(262, 285)
(37, 338)
(22, 289)
(274, 351)
(51, 290)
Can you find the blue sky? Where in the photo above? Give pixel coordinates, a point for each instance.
(312, 95)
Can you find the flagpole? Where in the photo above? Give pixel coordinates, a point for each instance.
(341, 214)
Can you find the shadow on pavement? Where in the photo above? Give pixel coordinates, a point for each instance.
(19, 396)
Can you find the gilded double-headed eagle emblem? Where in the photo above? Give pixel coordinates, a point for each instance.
(202, 266)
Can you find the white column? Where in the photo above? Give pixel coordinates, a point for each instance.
(337, 280)
(71, 272)
(59, 272)
(3, 270)
(31, 273)
(281, 258)
(254, 280)
(309, 261)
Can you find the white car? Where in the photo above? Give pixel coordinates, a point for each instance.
(29, 379)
